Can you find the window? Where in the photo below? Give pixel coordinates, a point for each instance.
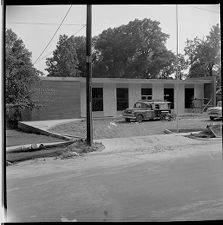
(146, 93)
(169, 96)
(189, 96)
(97, 99)
(157, 106)
(122, 95)
(137, 105)
(146, 106)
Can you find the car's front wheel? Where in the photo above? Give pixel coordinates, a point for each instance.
(127, 119)
(139, 118)
(211, 118)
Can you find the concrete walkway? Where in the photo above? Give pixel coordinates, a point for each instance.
(152, 143)
(47, 124)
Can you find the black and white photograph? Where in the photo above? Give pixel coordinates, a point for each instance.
(111, 113)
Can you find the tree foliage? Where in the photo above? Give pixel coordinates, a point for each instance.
(20, 74)
(173, 65)
(204, 55)
(64, 62)
(135, 50)
(80, 46)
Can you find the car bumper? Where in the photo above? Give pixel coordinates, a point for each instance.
(215, 116)
(129, 117)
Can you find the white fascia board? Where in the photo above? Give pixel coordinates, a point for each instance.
(128, 81)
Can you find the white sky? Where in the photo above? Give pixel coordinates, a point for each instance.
(194, 20)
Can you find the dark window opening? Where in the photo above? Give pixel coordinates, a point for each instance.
(97, 99)
(157, 106)
(146, 93)
(137, 105)
(207, 93)
(122, 95)
(189, 96)
(169, 96)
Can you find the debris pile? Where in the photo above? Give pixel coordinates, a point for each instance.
(112, 124)
(78, 148)
(211, 131)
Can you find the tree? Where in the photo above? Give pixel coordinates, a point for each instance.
(64, 62)
(20, 75)
(204, 55)
(80, 46)
(135, 50)
(172, 66)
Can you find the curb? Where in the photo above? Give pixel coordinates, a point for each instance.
(36, 147)
(30, 129)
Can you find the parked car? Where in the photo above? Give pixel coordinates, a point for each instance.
(215, 112)
(147, 110)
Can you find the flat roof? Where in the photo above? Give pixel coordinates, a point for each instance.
(130, 81)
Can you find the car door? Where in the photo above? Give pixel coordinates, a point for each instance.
(147, 111)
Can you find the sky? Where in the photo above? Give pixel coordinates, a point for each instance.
(36, 24)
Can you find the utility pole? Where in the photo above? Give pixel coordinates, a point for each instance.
(177, 72)
(89, 78)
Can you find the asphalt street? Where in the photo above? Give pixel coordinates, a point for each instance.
(183, 184)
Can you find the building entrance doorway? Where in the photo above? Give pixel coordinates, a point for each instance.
(122, 96)
(189, 97)
(169, 96)
(97, 99)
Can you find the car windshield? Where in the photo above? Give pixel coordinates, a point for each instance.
(137, 105)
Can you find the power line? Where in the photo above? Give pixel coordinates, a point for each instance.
(80, 29)
(50, 24)
(204, 9)
(73, 35)
(53, 35)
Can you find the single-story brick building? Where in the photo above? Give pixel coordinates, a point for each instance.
(65, 97)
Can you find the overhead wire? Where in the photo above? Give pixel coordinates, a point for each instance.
(204, 9)
(73, 35)
(48, 24)
(53, 35)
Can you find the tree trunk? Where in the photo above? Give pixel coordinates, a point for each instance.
(210, 69)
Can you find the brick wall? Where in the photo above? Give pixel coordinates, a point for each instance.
(59, 99)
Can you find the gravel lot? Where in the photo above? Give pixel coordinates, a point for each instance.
(114, 128)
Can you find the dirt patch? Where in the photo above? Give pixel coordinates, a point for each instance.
(116, 128)
(79, 148)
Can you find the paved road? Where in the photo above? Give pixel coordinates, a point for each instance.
(183, 184)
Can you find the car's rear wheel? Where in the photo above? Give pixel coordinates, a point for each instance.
(211, 118)
(162, 116)
(139, 118)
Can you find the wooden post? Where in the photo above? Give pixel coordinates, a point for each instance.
(214, 90)
(89, 78)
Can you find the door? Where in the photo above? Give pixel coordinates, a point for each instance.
(169, 96)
